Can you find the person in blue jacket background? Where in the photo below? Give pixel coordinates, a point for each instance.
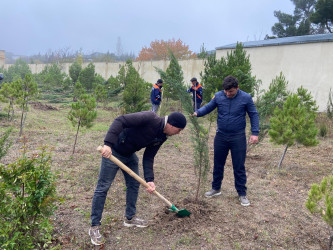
(156, 95)
(196, 89)
(232, 105)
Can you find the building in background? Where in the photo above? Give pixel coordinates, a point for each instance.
(304, 60)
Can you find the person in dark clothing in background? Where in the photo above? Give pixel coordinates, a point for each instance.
(127, 134)
(196, 89)
(1, 78)
(156, 95)
(232, 105)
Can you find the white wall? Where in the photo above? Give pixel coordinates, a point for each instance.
(309, 65)
(146, 69)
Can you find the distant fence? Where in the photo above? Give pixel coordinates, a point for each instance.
(146, 69)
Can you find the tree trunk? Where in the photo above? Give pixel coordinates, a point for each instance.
(77, 132)
(284, 153)
(25, 113)
(199, 183)
(12, 108)
(21, 125)
(9, 111)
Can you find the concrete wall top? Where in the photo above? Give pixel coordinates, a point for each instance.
(309, 65)
(146, 69)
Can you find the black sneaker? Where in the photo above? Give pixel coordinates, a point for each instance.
(212, 193)
(244, 201)
(135, 222)
(95, 236)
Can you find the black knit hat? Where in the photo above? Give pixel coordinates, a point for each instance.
(177, 120)
(159, 81)
(194, 79)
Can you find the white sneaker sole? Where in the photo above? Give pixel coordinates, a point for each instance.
(213, 195)
(245, 205)
(133, 225)
(93, 242)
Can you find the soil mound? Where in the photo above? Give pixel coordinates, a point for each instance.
(42, 106)
(170, 222)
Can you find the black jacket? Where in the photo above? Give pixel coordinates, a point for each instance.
(132, 132)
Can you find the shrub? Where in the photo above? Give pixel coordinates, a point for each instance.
(325, 209)
(323, 130)
(330, 105)
(274, 97)
(136, 91)
(27, 200)
(82, 114)
(5, 143)
(295, 122)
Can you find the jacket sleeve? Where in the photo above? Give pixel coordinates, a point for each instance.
(189, 90)
(254, 116)
(126, 121)
(148, 162)
(207, 108)
(155, 96)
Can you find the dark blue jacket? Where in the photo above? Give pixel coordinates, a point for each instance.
(198, 91)
(156, 95)
(231, 118)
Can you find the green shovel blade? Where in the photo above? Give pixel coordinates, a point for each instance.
(180, 213)
(183, 213)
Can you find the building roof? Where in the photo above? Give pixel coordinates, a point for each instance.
(283, 41)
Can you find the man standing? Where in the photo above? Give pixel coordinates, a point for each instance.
(126, 135)
(232, 105)
(196, 89)
(156, 95)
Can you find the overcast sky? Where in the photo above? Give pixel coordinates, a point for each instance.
(32, 26)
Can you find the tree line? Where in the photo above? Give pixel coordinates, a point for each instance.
(309, 17)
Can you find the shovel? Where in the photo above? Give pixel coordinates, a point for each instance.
(180, 212)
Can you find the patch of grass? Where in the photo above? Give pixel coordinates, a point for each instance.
(323, 130)
(185, 240)
(85, 213)
(3, 116)
(100, 127)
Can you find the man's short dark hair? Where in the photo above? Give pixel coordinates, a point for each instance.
(159, 81)
(230, 82)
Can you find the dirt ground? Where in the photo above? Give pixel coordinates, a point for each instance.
(276, 219)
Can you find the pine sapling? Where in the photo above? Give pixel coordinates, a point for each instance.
(82, 114)
(330, 105)
(294, 122)
(324, 191)
(199, 134)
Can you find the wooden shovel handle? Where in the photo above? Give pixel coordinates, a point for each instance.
(135, 176)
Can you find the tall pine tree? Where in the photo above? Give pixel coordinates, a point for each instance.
(136, 91)
(199, 134)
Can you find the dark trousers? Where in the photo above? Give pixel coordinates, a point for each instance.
(236, 143)
(106, 176)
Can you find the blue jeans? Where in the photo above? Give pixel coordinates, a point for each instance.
(106, 176)
(236, 143)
